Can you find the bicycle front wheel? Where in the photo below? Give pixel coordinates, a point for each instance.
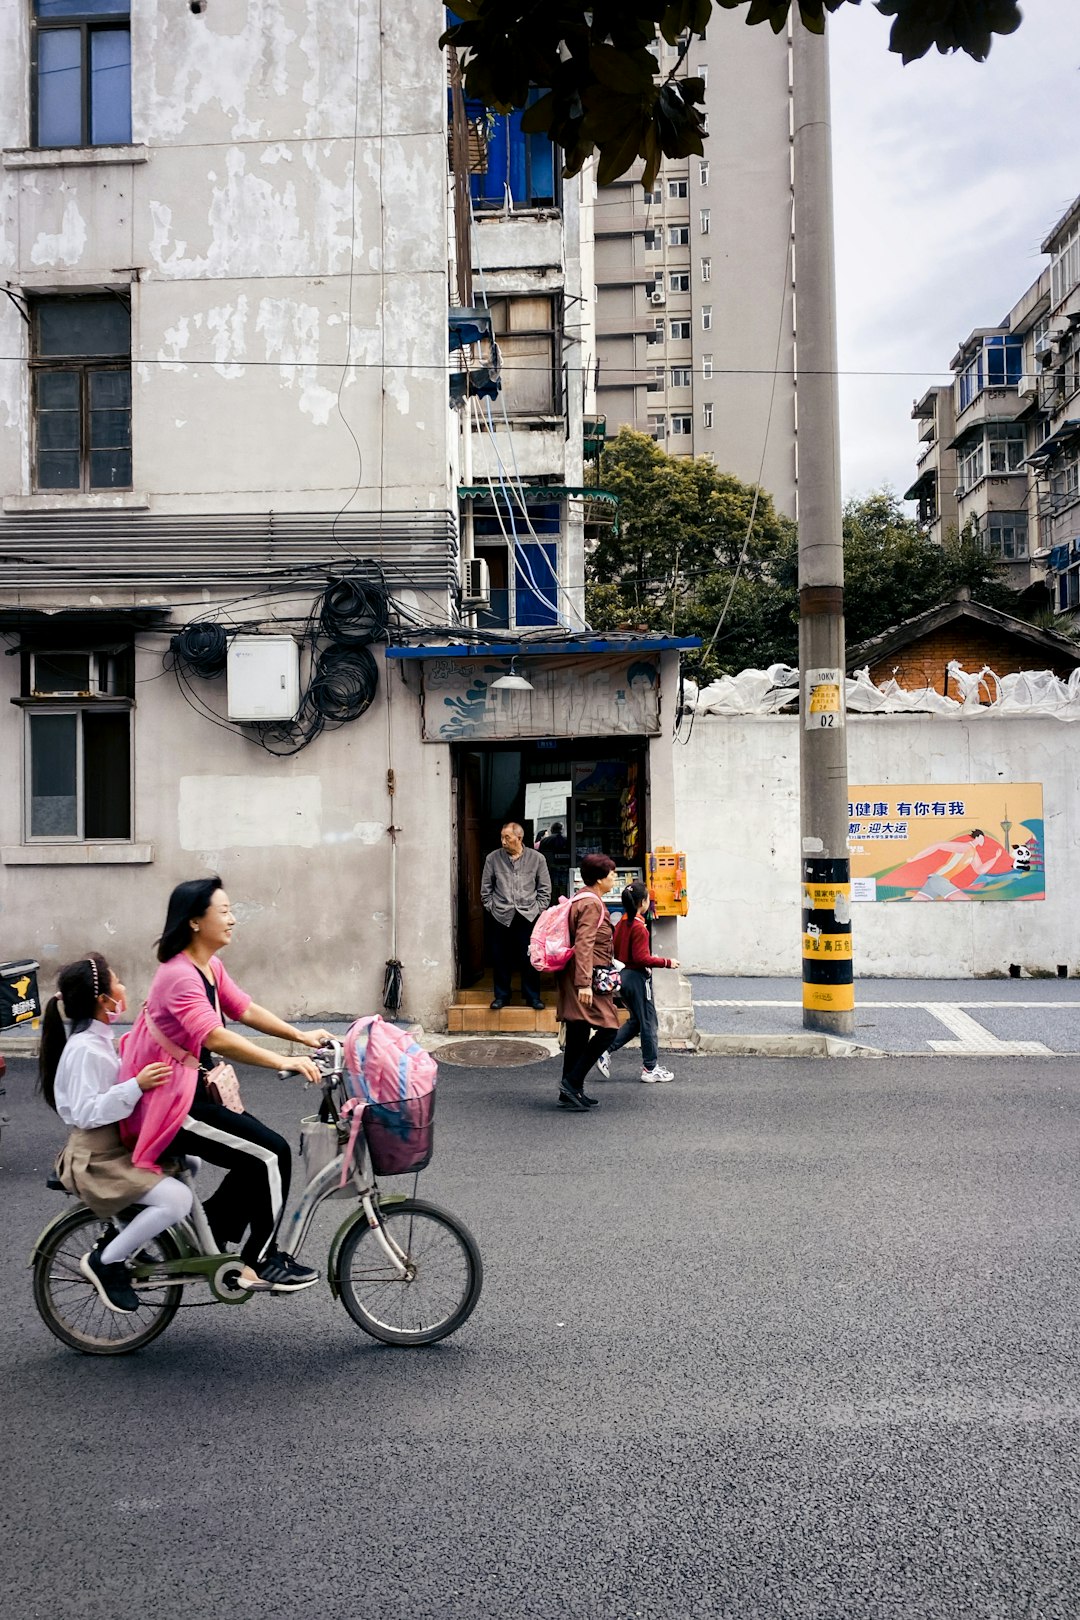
(72, 1308)
(442, 1281)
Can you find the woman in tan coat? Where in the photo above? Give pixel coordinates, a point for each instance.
(584, 1006)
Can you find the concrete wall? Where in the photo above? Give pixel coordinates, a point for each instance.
(301, 845)
(737, 789)
(272, 219)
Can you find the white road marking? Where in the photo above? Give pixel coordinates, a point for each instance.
(971, 1037)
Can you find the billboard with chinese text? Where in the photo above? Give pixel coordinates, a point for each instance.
(969, 841)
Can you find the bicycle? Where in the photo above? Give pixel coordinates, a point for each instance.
(407, 1272)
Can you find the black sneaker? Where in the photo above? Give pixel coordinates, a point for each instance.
(112, 1282)
(569, 1098)
(284, 1274)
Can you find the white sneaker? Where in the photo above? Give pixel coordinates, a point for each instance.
(653, 1076)
(604, 1066)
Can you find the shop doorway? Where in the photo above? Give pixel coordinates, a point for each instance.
(595, 790)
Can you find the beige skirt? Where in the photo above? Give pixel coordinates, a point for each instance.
(97, 1168)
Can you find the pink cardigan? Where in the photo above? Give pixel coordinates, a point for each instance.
(181, 1010)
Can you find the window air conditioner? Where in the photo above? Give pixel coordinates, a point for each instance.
(66, 675)
(476, 583)
(657, 296)
(1028, 386)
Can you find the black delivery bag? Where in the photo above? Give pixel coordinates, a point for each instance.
(20, 1002)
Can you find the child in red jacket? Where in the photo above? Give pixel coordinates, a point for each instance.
(632, 947)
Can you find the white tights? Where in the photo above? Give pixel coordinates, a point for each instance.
(167, 1202)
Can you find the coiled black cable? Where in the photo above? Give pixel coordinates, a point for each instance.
(354, 612)
(203, 648)
(343, 685)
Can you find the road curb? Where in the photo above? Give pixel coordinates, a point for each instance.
(778, 1046)
(782, 1046)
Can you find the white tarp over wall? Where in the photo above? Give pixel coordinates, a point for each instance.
(982, 694)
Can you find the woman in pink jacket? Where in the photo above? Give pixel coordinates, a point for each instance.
(184, 1017)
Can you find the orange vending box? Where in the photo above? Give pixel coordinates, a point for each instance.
(667, 881)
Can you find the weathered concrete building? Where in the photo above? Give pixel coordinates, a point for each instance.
(235, 471)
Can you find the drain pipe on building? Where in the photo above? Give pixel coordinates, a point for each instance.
(393, 993)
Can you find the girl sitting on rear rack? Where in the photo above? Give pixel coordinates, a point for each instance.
(77, 1078)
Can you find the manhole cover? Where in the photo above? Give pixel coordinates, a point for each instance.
(499, 1053)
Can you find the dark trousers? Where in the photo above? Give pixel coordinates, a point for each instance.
(510, 953)
(636, 992)
(258, 1163)
(584, 1044)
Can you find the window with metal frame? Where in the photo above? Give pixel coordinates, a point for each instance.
(1065, 268)
(81, 73)
(519, 169)
(706, 221)
(706, 317)
(679, 281)
(997, 363)
(703, 172)
(527, 331)
(1005, 535)
(80, 379)
(680, 376)
(679, 330)
(677, 188)
(706, 366)
(678, 235)
(654, 380)
(526, 593)
(707, 414)
(78, 708)
(682, 425)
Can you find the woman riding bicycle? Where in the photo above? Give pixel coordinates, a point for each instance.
(189, 1000)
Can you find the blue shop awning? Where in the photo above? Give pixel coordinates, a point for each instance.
(551, 649)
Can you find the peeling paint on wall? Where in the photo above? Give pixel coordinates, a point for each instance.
(65, 246)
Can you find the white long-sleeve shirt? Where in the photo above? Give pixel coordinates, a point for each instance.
(85, 1093)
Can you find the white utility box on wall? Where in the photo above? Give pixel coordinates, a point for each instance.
(263, 678)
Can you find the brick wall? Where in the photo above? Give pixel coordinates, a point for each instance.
(924, 662)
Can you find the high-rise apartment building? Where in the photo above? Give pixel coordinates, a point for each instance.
(695, 308)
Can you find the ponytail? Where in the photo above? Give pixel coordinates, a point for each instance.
(53, 1041)
(79, 985)
(634, 898)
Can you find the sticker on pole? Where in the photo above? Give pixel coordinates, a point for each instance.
(824, 699)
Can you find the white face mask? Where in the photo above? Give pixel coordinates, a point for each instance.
(119, 1009)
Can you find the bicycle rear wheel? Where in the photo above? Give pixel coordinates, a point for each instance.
(441, 1286)
(71, 1307)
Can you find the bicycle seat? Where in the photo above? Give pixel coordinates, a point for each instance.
(53, 1182)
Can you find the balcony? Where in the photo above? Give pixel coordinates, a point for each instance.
(1003, 404)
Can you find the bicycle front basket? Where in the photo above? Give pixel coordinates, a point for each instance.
(400, 1139)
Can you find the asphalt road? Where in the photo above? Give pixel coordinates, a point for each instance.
(782, 1339)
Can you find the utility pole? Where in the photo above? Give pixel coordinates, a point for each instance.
(828, 980)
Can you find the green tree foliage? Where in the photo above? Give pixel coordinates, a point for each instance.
(604, 93)
(675, 562)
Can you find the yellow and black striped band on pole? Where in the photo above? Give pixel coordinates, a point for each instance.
(827, 966)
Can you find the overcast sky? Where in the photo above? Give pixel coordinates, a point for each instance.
(948, 174)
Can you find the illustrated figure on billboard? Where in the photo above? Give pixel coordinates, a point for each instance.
(947, 870)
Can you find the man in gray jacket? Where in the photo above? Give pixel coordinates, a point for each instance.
(514, 890)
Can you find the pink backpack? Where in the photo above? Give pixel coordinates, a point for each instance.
(550, 945)
(391, 1086)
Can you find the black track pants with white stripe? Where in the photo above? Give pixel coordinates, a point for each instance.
(258, 1163)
